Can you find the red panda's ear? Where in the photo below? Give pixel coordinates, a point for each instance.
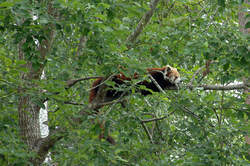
(168, 69)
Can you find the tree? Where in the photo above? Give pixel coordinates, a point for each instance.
(244, 27)
(73, 42)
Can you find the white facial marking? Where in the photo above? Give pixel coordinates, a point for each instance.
(177, 80)
(172, 79)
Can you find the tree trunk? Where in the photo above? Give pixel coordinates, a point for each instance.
(28, 111)
(28, 114)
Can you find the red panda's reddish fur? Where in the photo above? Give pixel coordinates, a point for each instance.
(164, 81)
(93, 91)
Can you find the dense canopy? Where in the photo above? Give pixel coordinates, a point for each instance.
(51, 51)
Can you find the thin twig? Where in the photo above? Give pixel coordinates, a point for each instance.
(218, 119)
(195, 74)
(70, 83)
(157, 119)
(110, 102)
(73, 103)
(101, 82)
(156, 83)
(221, 107)
(199, 71)
(185, 109)
(146, 130)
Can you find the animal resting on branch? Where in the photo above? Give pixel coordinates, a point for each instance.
(102, 94)
(161, 78)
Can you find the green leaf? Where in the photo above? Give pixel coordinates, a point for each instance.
(121, 159)
(105, 5)
(247, 25)
(6, 4)
(103, 17)
(222, 3)
(44, 20)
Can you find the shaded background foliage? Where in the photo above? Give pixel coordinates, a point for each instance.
(203, 127)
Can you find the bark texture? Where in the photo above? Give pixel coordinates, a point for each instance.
(28, 110)
(143, 22)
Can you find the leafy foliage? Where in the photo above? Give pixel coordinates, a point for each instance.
(201, 127)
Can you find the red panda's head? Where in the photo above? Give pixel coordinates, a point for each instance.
(172, 74)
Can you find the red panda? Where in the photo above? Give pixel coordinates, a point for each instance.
(166, 77)
(102, 94)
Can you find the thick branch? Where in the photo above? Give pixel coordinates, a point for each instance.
(44, 144)
(213, 87)
(222, 87)
(216, 87)
(143, 22)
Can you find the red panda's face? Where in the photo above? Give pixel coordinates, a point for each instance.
(172, 74)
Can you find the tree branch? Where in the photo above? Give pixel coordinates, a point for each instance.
(71, 83)
(195, 74)
(222, 87)
(73, 103)
(185, 109)
(146, 130)
(44, 144)
(217, 87)
(157, 119)
(156, 83)
(143, 22)
(199, 71)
